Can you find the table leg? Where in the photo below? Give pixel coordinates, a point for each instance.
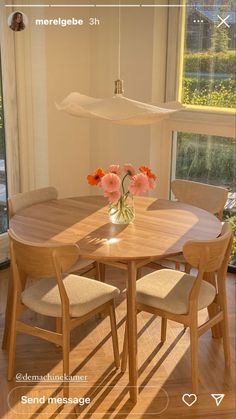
(213, 308)
(132, 329)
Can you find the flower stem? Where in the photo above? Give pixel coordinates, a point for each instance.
(122, 184)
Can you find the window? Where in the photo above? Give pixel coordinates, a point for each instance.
(206, 158)
(203, 144)
(209, 55)
(3, 187)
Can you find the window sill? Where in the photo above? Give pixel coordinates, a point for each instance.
(210, 109)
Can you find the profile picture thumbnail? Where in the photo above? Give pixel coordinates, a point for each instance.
(17, 21)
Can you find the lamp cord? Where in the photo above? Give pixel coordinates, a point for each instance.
(119, 41)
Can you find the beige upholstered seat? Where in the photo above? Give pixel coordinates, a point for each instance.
(169, 290)
(178, 260)
(83, 266)
(84, 296)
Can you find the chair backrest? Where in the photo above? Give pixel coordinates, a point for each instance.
(41, 261)
(25, 199)
(210, 257)
(208, 197)
(210, 254)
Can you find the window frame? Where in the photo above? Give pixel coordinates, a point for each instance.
(193, 119)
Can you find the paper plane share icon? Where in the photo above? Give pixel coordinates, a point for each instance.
(218, 398)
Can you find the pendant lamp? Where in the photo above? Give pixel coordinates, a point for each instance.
(117, 109)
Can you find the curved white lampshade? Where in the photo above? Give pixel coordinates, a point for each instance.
(118, 109)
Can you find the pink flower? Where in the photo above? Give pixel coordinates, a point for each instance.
(139, 184)
(113, 197)
(129, 168)
(115, 168)
(152, 183)
(110, 182)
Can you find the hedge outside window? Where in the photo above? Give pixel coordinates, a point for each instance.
(209, 56)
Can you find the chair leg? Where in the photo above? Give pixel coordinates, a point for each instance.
(139, 273)
(66, 354)
(163, 329)
(194, 357)
(177, 266)
(58, 327)
(7, 327)
(187, 268)
(124, 359)
(225, 325)
(114, 334)
(213, 308)
(100, 272)
(12, 341)
(226, 345)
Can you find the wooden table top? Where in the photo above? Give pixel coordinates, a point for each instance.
(161, 227)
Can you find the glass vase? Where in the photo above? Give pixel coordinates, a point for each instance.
(123, 211)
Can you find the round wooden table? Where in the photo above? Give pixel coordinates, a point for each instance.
(160, 229)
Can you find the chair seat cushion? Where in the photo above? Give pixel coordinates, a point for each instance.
(81, 264)
(84, 295)
(177, 258)
(169, 290)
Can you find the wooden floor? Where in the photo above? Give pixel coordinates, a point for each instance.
(164, 371)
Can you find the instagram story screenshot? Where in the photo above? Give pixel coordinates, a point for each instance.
(117, 209)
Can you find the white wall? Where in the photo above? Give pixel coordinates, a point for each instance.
(68, 69)
(109, 142)
(51, 62)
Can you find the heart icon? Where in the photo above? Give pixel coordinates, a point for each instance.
(189, 399)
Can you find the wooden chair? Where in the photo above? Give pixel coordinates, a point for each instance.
(178, 296)
(23, 200)
(208, 197)
(73, 299)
